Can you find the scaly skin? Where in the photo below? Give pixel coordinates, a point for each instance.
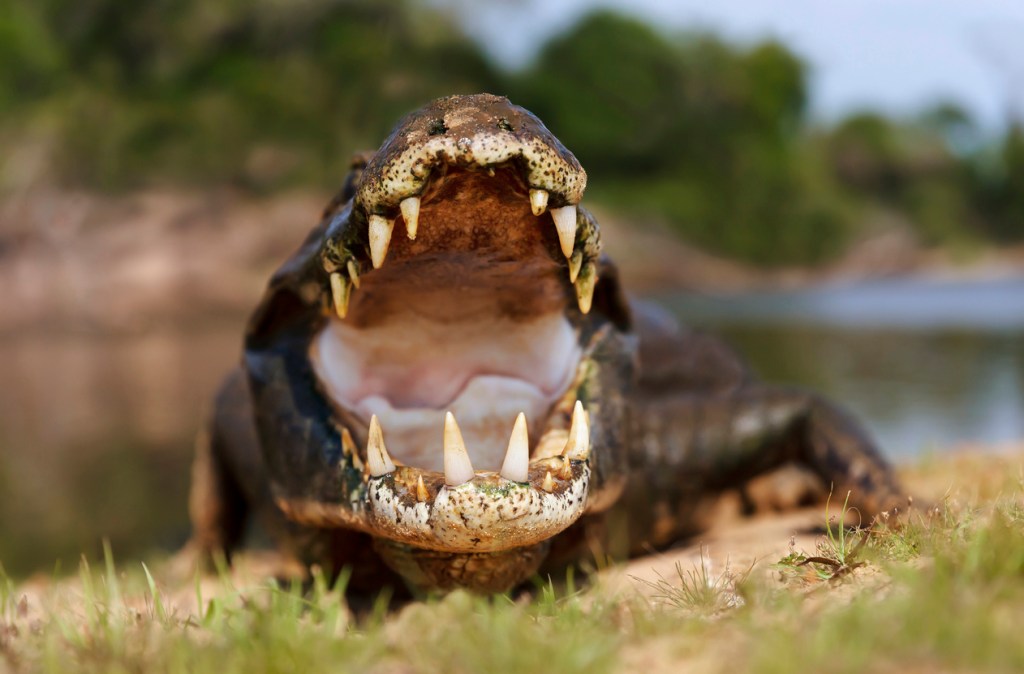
(663, 416)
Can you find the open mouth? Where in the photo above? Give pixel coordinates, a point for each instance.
(456, 354)
(457, 350)
(466, 313)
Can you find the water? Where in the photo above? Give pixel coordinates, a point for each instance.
(926, 365)
(96, 430)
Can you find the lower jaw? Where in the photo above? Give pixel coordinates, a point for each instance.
(488, 515)
(432, 560)
(484, 572)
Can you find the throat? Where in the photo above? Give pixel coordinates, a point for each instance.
(409, 372)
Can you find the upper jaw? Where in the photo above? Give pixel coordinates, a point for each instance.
(357, 243)
(474, 132)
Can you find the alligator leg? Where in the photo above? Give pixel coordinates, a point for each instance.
(700, 425)
(218, 507)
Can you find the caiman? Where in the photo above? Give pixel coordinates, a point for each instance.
(446, 385)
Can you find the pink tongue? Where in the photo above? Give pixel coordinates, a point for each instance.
(409, 372)
(419, 363)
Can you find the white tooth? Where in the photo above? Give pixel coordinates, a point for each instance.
(585, 287)
(457, 468)
(517, 458)
(340, 290)
(548, 484)
(380, 237)
(565, 223)
(377, 458)
(411, 214)
(538, 201)
(353, 272)
(578, 445)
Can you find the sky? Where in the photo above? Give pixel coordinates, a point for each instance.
(898, 56)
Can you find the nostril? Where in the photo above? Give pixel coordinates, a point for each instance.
(504, 124)
(437, 128)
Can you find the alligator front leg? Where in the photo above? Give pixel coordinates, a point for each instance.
(700, 425)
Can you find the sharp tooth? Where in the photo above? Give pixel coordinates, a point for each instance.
(549, 484)
(517, 458)
(585, 287)
(566, 472)
(575, 264)
(380, 237)
(376, 454)
(565, 223)
(457, 468)
(421, 490)
(353, 272)
(348, 446)
(538, 201)
(578, 445)
(411, 214)
(340, 290)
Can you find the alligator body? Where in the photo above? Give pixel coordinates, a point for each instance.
(445, 385)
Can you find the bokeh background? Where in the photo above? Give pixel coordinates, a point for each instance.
(839, 191)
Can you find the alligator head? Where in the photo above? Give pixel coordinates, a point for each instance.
(444, 363)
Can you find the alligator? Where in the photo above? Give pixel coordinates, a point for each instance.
(469, 400)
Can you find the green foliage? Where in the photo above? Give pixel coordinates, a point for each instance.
(259, 94)
(707, 136)
(998, 192)
(690, 130)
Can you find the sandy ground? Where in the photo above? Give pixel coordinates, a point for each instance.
(965, 475)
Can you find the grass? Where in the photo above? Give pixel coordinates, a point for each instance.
(698, 590)
(943, 591)
(837, 552)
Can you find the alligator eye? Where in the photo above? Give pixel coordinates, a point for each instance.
(437, 128)
(504, 124)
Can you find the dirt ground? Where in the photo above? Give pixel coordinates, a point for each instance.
(965, 475)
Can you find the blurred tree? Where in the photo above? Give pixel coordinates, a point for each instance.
(908, 169)
(255, 92)
(708, 136)
(613, 90)
(864, 155)
(690, 130)
(30, 58)
(954, 124)
(998, 190)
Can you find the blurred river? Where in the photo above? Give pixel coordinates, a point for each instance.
(926, 364)
(96, 430)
